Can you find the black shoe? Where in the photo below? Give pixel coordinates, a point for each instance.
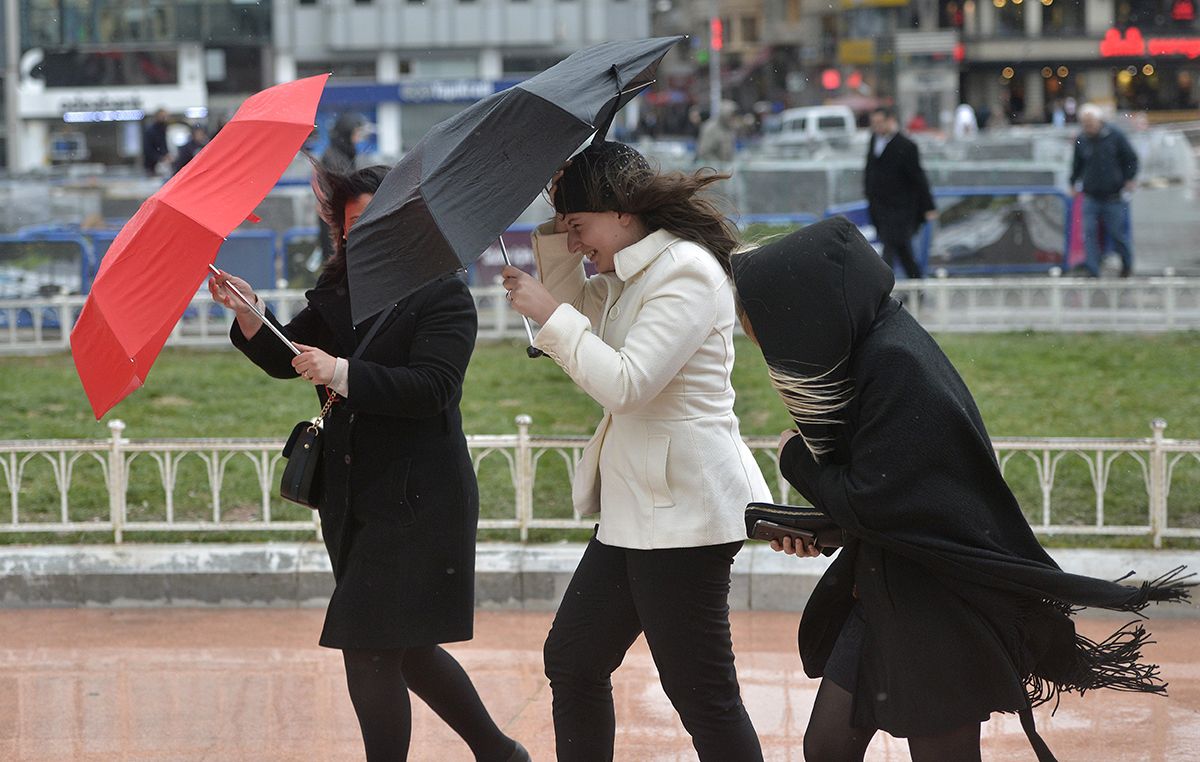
(1126, 272)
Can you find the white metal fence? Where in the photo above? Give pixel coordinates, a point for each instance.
(46, 493)
(1154, 304)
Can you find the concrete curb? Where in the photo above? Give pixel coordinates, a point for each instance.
(508, 576)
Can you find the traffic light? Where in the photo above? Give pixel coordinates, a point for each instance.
(716, 33)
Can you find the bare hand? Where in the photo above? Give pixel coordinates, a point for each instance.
(528, 296)
(314, 365)
(786, 437)
(795, 548)
(552, 188)
(931, 215)
(219, 287)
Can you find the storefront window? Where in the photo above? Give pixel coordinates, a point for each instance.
(1010, 18)
(1062, 17)
(64, 23)
(112, 68)
(1170, 87)
(1161, 15)
(950, 14)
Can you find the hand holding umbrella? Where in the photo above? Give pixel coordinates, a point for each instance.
(528, 296)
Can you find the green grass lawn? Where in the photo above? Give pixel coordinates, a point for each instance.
(1025, 384)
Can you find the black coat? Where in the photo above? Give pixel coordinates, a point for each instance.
(400, 506)
(896, 188)
(966, 613)
(1104, 163)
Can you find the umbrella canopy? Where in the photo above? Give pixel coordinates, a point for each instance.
(472, 175)
(160, 258)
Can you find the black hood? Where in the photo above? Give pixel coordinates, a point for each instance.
(811, 296)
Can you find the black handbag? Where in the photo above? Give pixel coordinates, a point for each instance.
(804, 520)
(301, 482)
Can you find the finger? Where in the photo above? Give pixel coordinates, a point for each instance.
(775, 546)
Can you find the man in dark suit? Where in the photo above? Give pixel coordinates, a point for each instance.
(898, 197)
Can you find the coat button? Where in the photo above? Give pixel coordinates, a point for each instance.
(614, 312)
(347, 460)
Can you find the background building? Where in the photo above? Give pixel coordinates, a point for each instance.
(1134, 55)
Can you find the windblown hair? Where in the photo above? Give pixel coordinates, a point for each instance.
(333, 190)
(678, 202)
(813, 401)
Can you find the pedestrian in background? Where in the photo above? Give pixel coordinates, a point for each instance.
(649, 337)
(340, 157)
(154, 143)
(715, 144)
(1104, 170)
(188, 151)
(897, 191)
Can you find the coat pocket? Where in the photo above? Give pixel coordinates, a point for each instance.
(657, 446)
(398, 496)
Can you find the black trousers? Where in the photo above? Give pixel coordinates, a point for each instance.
(679, 598)
(897, 244)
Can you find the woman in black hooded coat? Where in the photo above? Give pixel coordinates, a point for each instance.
(942, 607)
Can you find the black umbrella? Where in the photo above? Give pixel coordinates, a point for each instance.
(472, 175)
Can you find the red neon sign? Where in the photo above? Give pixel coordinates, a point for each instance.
(1133, 45)
(1115, 46)
(1174, 46)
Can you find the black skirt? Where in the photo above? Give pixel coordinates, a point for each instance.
(842, 667)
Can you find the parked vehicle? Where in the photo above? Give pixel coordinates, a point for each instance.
(813, 126)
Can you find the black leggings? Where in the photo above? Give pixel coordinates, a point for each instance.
(831, 737)
(379, 682)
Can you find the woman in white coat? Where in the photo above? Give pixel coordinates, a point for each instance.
(650, 337)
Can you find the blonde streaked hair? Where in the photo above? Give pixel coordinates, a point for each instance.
(813, 400)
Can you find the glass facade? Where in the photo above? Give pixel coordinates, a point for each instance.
(72, 23)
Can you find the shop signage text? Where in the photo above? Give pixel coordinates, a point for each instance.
(1133, 45)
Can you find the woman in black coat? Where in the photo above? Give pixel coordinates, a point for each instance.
(942, 607)
(400, 505)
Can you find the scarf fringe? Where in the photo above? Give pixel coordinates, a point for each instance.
(1171, 587)
(1112, 663)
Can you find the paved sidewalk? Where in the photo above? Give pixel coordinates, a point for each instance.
(250, 684)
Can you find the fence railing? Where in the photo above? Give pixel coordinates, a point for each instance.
(186, 485)
(941, 304)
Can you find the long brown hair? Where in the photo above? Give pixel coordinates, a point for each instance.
(333, 189)
(684, 204)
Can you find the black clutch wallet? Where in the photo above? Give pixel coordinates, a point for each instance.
(807, 522)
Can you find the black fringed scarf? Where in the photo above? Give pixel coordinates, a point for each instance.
(911, 472)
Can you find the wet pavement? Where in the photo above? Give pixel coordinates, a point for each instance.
(250, 684)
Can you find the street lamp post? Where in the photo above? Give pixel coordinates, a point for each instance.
(12, 75)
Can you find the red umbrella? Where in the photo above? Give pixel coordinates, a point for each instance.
(161, 257)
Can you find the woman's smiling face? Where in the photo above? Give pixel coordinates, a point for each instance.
(600, 235)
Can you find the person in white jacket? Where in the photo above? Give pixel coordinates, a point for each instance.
(649, 337)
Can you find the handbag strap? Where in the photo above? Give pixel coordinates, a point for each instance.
(330, 395)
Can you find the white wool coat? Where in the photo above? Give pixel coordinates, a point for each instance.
(653, 343)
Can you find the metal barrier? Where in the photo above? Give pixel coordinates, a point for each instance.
(200, 470)
(943, 304)
(987, 222)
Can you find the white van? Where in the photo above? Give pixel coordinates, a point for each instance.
(814, 125)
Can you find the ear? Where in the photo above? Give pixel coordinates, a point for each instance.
(624, 219)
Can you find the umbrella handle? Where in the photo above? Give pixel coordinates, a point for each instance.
(532, 351)
(254, 308)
